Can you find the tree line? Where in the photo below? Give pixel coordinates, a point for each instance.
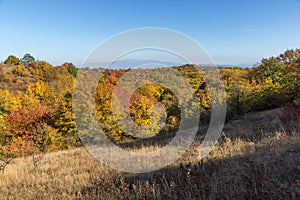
(36, 99)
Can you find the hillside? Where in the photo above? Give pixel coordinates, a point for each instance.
(256, 157)
(238, 167)
(11, 81)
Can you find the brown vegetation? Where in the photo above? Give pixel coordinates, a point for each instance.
(257, 157)
(241, 166)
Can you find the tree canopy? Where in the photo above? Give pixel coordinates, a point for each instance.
(27, 59)
(12, 60)
(36, 99)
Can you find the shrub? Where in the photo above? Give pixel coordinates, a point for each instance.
(291, 111)
(20, 70)
(5, 78)
(11, 60)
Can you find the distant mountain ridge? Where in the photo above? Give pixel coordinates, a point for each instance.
(150, 63)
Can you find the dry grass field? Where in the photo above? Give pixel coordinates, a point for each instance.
(258, 157)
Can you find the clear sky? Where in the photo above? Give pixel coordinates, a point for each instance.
(232, 31)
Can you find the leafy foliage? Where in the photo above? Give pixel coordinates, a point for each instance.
(64, 122)
(24, 126)
(72, 69)
(27, 59)
(12, 60)
(20, 70)
(36, 99)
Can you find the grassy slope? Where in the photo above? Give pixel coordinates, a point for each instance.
(257, 158)
(15, 83)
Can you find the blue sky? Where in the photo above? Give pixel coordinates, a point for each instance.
(232, 32)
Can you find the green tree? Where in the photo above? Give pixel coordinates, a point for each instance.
(27, 59)
(291, 81)
(269, 68)
(12, 60)
(72, 69)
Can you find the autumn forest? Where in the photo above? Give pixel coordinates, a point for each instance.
(43, 156)
(36, 100)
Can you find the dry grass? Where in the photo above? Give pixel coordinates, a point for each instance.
(241, 167)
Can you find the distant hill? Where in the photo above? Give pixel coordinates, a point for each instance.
(148, 63)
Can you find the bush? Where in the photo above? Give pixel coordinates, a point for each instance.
(11, 60)
(20, 70)
(291, 112)
(5, 78)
